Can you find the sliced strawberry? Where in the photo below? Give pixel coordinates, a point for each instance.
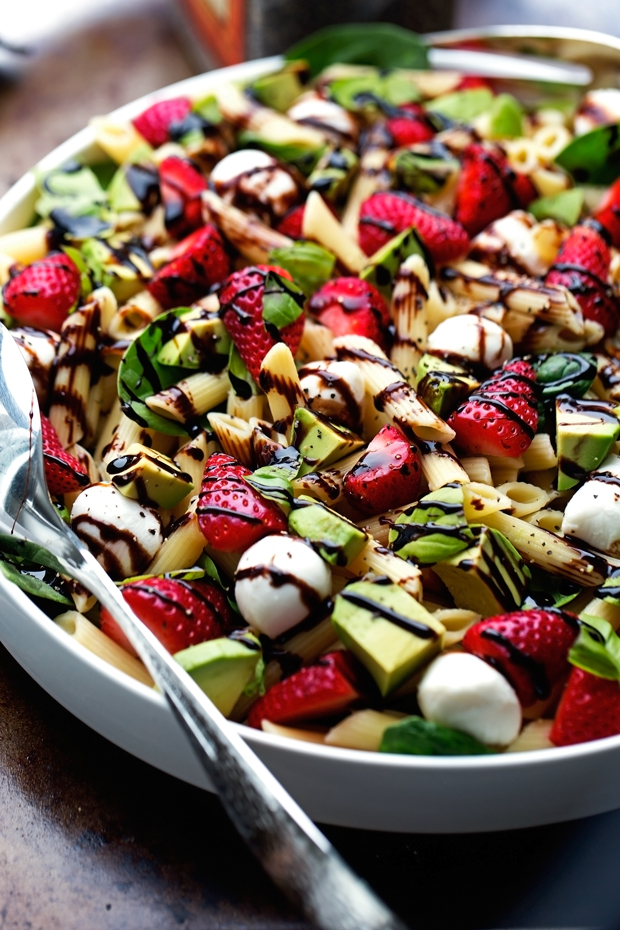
(410, 125)
(181, 185)
(43, 293)
(388, 475)
(292, 222)
(351, 306)
(608, 213)
(488, 188)
(589, 709)
(197, 263)
(320, 690)
(241, 309)
(232, 515)
(582, 266)
(472, 82)
(529, 647)
(154, 122)
(388, 213)
(63, 472)
(501, 418)
(179, 613)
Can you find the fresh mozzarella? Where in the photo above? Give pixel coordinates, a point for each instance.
(472, 338)
(463, 692)
(316, 111)
(122, 534)
(593, 512)
(598, 108)
(279, 581)
(516, 237)
(251, 178)
(334, 389)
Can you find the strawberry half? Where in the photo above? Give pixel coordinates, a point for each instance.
(63, 472)
(608, 213)
(351, 306)
(181, 185)
(242, 307)
(197, 263)
(320, 690)
(388, 475)
(232, 515)
(155, 122)
(410, 124)
(529, 647)
(501, 418)
(291, 224)
(589, 709)
(179, 613)
(582, 266)
(388, 213)
(42, 294)
(488, 188)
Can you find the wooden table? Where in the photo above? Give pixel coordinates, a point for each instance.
(91, 838)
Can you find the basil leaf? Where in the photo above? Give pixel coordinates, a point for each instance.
(33, 586)
(140, 375)
(565, 373)
(283, 302)
(545, 590)
(610, 589)
(423, 168)
(242, 381)
(462, 105)
(597, 648)
(180, 574)
(593, 158)
(211, 571)
(383, 45)
(86, 284)
(29, 554)
(418, 737)
(564, 207)
(310, 264)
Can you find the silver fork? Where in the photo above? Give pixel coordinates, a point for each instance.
(294, 853)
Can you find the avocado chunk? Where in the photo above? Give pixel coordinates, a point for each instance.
(222, 667)
(585, 431)
(462, 105)
(443, 392)
(564, 207)
(198, 337)
(149, 477)
(390, 632)
(431, 363)
(279, 90)
(333, 172)
(320, 443)
(433, 529)
(425, 167)
(384, 264)
(490, 577)
(335, 538)
(505, 117)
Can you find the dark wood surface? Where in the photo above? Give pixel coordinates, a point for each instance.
(92, 838)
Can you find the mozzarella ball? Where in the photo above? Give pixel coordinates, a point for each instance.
(593, 512)
(472, 339)
(39, 348)
(335, 390)
(280, 580)
(313, 110)
(123, 535)
(254, 180)
(516, 238)
(597, 108)
(461, 691)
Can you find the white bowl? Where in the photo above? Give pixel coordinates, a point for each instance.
(338, 786)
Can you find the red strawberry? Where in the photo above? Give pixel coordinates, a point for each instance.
(501, 417)
(387, 475)
(63, 472)
(320, 690)
(582, 266)
(181, 185)
(388, 213)
(154, 123)
(197, 263)
(241, 309)
(471, 82)
(608, 213)
(529, 647)
(589, 709)
(488, 188)
(43, 293)
(232, 515)
(351, 306)
(179, 613)
(410, 125)
(291, 223)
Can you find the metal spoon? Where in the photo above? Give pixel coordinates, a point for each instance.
(294, 853)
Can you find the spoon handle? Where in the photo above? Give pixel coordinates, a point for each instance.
(294, 853)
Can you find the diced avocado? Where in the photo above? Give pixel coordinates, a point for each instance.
(443, 392)
(320, 443)
(430, 363)
(433, 529)
(222, 667)
(505, 117)
(490, 577)
(120, 263)
(610, 589)
(390, 632)
(564, 207)
(195, 341)
(149, 477)
(335, 538)
(333, 172)
(462, 105)
(585, 431)
(418, 737)
(384, 264)
(120, 193)
(279, 90)
(425, 167)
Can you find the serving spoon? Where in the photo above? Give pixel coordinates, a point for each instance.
(293, 852)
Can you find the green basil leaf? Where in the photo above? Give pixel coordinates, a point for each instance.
(564, 207)
(462, 105)
(180, 574)
(593, 158)
(423, 168)
(211, 571)
(140, 375)
(545, 590)
(597, 648)
(310, 264)
(29, 554)
(565, 373)
(242, 381)
(86, 284)
(418, 737)
(283, 302)
(33, 586)
(257, 685)
(380, 44)
(610, 589)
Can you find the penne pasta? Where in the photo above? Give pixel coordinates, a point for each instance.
(279, 380)
(381, 561)
(88, 635)
(191, 397)
(526, 498)
(252, 238)
(235, 436)
(181, 548)
(363, 729)
(409, 299)
(477, 468)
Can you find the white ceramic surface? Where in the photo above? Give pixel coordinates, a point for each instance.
(339, 786)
